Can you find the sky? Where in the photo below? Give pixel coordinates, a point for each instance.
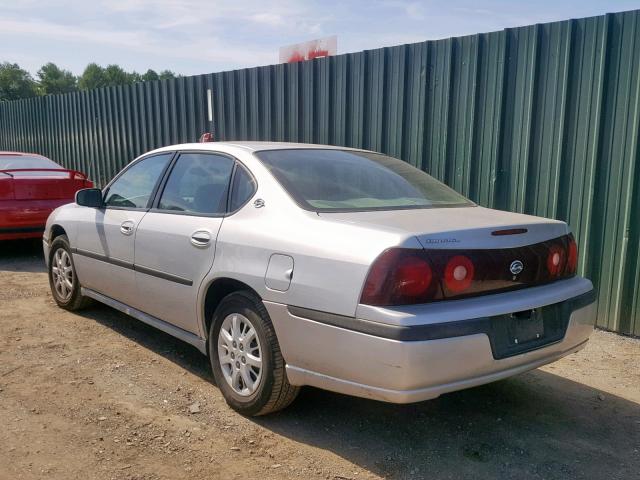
(193, 36)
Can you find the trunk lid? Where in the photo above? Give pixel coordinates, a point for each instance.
(468, 251)
(30, 184)
(459, 228)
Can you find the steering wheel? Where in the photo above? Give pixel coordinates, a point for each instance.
(174, 202)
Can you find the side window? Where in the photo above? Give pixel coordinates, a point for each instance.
(134, 187)
(244, 186)
(198, 183)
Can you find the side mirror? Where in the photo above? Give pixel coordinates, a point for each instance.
(90, 197)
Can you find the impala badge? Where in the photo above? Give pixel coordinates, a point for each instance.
(516, 267)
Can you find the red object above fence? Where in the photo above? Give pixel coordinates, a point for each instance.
(321, 47)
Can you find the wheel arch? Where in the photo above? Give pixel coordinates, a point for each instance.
(215, 291)
(56, 231)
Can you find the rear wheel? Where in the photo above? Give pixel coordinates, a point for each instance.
(63, 279)
(245, 357)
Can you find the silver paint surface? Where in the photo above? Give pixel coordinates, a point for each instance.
(331, 254)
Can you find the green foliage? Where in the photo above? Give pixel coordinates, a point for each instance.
(149, 76)
(115, 75)
(52, 80)
(95, 76)
(15, 83)
(167, 74)
(92, 77)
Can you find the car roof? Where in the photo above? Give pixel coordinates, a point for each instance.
(247, 146)
(21, 154)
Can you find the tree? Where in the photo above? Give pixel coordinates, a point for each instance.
(115, 75)
(166, 74)
(149, 76)
(92, 77)
(95, 76)
(55, 80)
(15, 83)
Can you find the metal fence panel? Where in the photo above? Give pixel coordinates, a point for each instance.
(543, 119)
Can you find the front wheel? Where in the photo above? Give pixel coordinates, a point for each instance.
(63, 279)
(245, 357)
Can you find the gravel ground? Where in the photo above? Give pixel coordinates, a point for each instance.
(100, 395)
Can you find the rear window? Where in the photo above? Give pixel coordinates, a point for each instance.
(341, 180)
(9, 162)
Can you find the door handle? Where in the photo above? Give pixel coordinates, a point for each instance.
(126, 227)
(201, 238)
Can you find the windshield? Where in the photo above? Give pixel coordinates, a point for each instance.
(341, 180)
(8, 162)
(26, 161)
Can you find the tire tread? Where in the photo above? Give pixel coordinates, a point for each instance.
(78, 301)
(282, 392)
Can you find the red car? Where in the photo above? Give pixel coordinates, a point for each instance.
(31, 187)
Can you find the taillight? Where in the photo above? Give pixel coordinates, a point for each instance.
(458, 274)
(403, 276)
(413, 276)
(572, 256)
(399, 276)
(556, 260)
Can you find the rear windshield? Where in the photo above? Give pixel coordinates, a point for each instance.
(8, 162)
(342, 180)
(25, 161)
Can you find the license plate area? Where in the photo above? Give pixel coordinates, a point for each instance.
(524, 327)
(520, 332)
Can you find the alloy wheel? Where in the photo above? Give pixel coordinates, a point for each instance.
(62, 271)
(240, 354)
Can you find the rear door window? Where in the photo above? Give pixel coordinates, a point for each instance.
(198, 184)
(244, 186)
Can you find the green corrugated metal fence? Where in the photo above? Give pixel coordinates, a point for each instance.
(541, 119)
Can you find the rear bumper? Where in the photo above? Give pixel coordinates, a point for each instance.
(7, 233)
(25, 218)
(404, 371)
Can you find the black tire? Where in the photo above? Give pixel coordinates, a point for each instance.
(74, 301)
(273, 392)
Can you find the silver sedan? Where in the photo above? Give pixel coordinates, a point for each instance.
(348, 270)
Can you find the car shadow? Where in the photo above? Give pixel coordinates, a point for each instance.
(22, 256)
(536, 425)
(177, 351)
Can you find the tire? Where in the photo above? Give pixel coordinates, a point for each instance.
(60, 255)
(271, 390)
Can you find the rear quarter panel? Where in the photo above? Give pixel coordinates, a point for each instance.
(331, 259)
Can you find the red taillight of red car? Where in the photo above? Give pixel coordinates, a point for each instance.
(402, 276)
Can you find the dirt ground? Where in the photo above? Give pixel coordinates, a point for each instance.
(100, 395)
